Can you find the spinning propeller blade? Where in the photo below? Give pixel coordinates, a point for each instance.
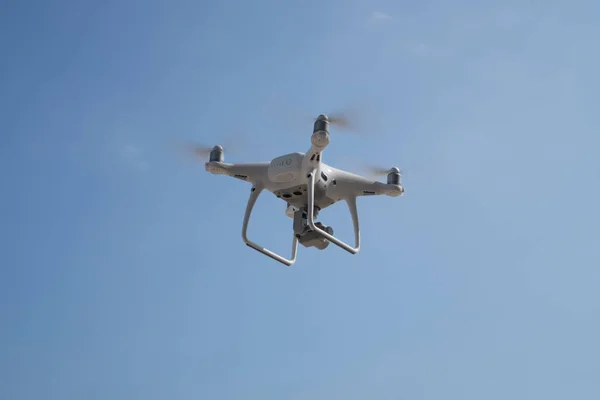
(378, 171)
(230, 144)
(375, 172)
(338, 119)
(201, 151)
(192, 151)
(369, 170)
(351, 120)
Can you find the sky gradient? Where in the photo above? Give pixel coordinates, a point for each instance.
(122, 270)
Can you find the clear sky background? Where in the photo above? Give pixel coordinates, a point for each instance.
(122, 270)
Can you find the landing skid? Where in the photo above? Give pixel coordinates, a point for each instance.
(307, 231)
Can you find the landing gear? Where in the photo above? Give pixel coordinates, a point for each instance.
(306, 236)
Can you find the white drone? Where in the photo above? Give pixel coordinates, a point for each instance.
(307, 185)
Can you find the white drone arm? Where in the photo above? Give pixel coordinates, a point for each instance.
(350, 201)
(348, 184)
(254, 194)
(249, 172)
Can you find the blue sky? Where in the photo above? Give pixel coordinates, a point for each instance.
(122, 270)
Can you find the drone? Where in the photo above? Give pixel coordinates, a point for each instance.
(307, 185)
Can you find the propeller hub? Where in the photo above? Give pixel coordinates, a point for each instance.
(217, 154)
(321, 126)
(394, 177)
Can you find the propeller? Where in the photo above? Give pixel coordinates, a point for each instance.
(338, 119)
(371, 170)
(193, 151)
(230, 143)
(352, 119)
(200, 150)
(379, 171)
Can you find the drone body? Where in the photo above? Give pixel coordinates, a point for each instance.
(308, 185)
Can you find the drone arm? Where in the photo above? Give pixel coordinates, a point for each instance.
(351, 201)
(379, 188)
(255, 192)
(249, 172)
(349, 184)
(358, 186)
